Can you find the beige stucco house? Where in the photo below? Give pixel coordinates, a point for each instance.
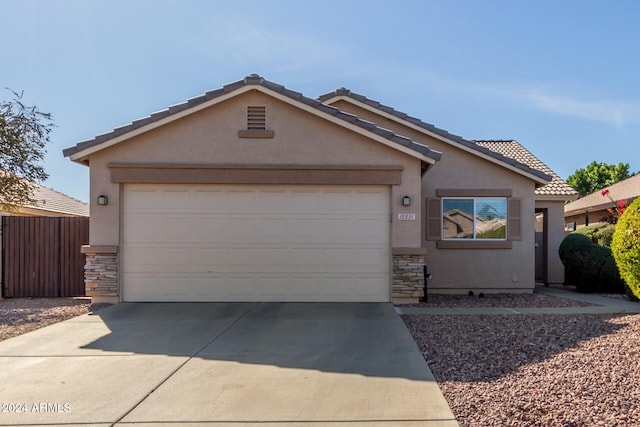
(254, 192)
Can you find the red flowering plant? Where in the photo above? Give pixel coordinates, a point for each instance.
(615, 211)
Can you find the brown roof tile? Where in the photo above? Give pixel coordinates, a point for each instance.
(514, 150)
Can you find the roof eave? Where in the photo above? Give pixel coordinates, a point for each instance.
(555, 197)
(539, 177)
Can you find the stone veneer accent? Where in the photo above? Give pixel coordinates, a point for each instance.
(408, 276)
(101, 271)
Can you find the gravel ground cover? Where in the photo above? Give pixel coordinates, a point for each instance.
(22, 315)
(534, 370)
(499, 300)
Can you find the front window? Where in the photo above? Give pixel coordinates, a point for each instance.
(474, 218)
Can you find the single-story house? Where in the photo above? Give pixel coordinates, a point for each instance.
(254, 192)
(49, 202)
(593, 208)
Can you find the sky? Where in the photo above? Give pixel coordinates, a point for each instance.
(560, 77)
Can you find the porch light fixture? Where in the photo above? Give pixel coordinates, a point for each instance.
(103, 200)
(406, 201)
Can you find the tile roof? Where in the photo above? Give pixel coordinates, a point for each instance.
(629, 189)
(54, 201)
(254, 79)
(343, 92)
(514, 150)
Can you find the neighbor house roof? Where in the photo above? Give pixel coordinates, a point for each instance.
(513, 149)
(629, 190)
(470, 146)
(253, 81)
(54, 201)
(49, 202)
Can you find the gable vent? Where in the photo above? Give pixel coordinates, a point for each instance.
(256, 117)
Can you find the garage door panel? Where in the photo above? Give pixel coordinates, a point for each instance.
(208, 201)
(271, 201)
(240, 201)
(141, 229)
(174, 228)
(142, 201)
(370, 260)
(175, 200)
(337, 201)
(236, 259)
(367, 202)
(305, 201)
(270, 230)
(304, 230)
(255, 243)
(202, 257)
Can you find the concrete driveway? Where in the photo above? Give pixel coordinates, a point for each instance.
(222, 363)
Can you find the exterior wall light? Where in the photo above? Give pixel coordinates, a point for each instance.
(406, 201)
(103, 200)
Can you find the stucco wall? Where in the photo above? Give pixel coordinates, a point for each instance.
(490, 270)
(581, 219)
(459, 270)
(211, 137)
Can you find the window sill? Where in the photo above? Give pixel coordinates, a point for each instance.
(255, 133)
(474, 244)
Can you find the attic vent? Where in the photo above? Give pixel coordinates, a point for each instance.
(256, 123)
(256, 118)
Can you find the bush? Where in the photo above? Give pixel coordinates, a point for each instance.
(588, 266)
(600, 233)
(589, 230)
(572, 251)
(604, 236)
(626, 247)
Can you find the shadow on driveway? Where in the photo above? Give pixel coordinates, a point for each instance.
(356, 338)
(242, 364)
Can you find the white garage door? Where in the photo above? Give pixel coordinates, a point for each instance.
(255, 243)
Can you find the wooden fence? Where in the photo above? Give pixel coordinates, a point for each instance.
(41, 256)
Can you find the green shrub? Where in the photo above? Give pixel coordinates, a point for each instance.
(572, 251)
(589, 230)
(626, 247)
(604, 235)
(600, 233)
(588, 266)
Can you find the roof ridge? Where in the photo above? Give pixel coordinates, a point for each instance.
(494, 140)
(255, 79)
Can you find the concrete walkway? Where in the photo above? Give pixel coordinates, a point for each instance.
(602, 305)
(242, 364)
